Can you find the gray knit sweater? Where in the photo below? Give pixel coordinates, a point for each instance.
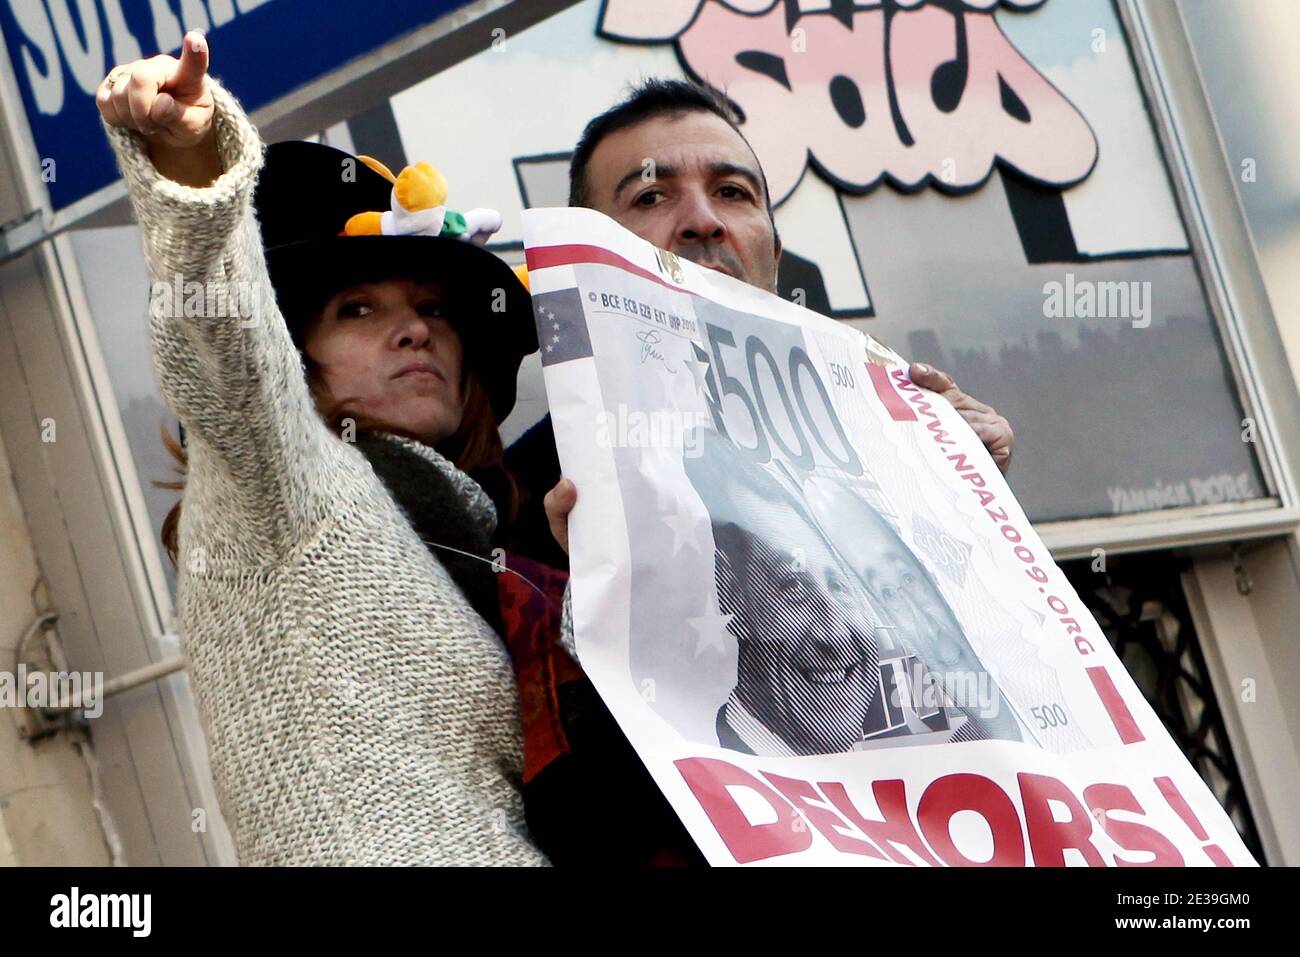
(357, 709)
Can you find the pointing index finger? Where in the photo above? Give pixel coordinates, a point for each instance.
(187, 79)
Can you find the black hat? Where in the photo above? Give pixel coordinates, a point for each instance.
(307, 196)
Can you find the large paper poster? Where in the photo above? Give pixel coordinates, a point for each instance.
(810, 599)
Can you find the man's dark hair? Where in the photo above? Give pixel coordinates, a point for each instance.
(653, 97)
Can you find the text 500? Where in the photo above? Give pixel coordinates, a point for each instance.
(797, 370)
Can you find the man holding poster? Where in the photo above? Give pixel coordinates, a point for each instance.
(669, 163)
(754, 596)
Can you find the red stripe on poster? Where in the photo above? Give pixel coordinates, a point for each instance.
(898, 410)
(1120, 716)
(543, 257)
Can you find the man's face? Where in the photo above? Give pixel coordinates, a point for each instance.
(895, 581)
(909, 600)
(807, 666)
(691, 185)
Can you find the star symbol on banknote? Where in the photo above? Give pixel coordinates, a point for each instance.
(711, 632)
(685, 528)
(555, 326)
(697, 368)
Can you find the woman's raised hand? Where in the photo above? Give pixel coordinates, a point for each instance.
(169, 102)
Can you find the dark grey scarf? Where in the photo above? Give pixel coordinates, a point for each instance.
(441, 515)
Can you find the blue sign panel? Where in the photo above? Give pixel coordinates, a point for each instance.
(261, 49)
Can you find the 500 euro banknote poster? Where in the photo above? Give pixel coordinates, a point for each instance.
(811, 601)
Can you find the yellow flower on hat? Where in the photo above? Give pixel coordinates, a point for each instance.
(419, 208)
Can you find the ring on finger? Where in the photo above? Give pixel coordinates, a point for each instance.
(114, 77)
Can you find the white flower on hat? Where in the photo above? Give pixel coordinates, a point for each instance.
(480, 224)
(419, 208)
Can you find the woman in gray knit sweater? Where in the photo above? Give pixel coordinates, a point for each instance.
(359, 706)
